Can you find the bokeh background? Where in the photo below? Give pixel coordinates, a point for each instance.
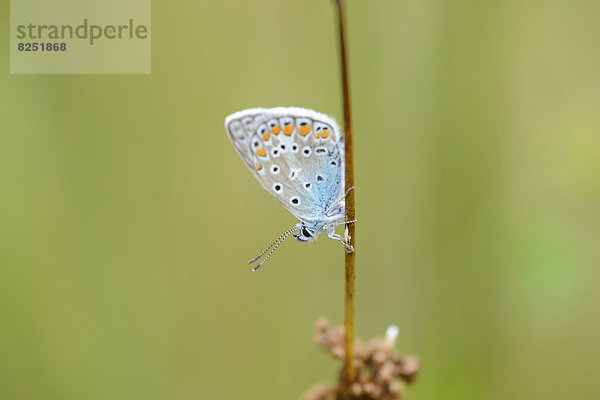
(126, 217)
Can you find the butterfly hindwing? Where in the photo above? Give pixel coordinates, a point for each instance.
(296, 154)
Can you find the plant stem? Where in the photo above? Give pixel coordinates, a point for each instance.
(349, 301)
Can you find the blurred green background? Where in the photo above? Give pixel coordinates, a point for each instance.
(127, 218)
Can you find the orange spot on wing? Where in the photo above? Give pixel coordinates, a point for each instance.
(265, 136)
(275, 129)
(304, 129)
(261, 152)
(258, 167)
(288, 129)
(317, 135)
(325, 133)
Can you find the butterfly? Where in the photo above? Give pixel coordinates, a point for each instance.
(297, 155)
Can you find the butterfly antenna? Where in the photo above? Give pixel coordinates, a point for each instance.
(271, 245)
(346, 222)
(275, 245)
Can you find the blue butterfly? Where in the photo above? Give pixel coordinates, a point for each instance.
(297, 155)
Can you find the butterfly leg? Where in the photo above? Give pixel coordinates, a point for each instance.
(349, 190)
(331, 233)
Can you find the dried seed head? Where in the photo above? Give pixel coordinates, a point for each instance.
(380, 371)
(356, 389)
(387, 372)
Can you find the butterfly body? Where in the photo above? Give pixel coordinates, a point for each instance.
(297, 155)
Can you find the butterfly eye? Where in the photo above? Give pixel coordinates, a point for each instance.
(306, 151)
(277, 187)
(295, 201)
(305, 232)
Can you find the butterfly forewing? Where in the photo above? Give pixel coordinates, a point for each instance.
(296, 154)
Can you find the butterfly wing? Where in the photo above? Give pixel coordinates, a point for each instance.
(297, 155)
